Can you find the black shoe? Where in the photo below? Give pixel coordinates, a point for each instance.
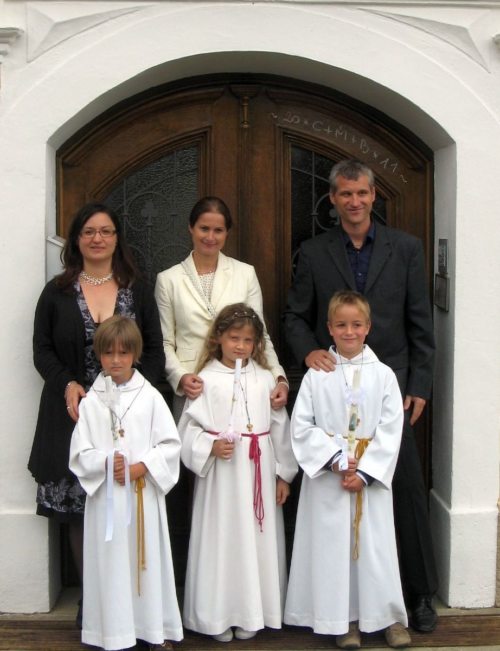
(423, 614)
(78, 620)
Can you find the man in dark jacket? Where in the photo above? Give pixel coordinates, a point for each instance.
(387, 266)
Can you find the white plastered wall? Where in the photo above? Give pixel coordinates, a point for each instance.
(433, 69)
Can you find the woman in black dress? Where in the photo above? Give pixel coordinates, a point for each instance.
(99, 279)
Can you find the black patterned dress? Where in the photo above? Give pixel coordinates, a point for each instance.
(65, 499)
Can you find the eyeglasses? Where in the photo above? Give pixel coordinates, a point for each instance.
(90, 233)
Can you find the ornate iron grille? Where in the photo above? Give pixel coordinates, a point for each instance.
(154, 203)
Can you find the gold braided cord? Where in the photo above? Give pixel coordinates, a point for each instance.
(141, 534)
(361, 446)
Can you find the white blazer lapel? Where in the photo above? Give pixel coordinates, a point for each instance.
(223, 276)
(192, 284)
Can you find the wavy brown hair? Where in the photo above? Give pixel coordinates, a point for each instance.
(124, 267)
(236, 315)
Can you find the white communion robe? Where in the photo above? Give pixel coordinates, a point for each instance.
(114, 614)
(327, 588)
(236, 573)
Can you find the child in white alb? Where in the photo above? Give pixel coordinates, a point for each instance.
(346, 432)
(239, 448)
(125, 452)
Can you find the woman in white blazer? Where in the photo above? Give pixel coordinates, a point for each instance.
(190, 294)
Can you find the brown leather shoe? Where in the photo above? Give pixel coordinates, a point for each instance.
(351, 639)
(396, 636)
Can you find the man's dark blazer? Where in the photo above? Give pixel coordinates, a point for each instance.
(396, 288)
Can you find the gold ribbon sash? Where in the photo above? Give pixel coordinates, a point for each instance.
(361, 446)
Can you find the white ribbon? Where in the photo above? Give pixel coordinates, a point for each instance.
(111, 397)
(344, 456)
(110, 493)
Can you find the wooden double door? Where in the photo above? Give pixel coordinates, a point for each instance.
(266, 146)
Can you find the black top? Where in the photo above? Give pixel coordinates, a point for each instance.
(58, 355)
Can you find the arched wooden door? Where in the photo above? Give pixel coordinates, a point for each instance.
(265, 145)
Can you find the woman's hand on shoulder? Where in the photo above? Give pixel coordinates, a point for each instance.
(279, 395)
(191, 385)
(73, 393)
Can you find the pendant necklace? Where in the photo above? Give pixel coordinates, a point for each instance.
(244, 391)
(118, 431)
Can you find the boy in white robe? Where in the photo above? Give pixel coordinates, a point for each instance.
(125, 452)
(240, 450)
(346, 432)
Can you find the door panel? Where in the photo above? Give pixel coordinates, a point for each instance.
(266, 146)
(153, 202)
(134, 135)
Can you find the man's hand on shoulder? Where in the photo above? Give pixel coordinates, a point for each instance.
(320, 360)
(418, 407)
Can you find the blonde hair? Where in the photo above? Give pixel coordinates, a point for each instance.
(118, 329)
(236, 315)
(348, 297)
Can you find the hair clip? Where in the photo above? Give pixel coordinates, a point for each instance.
(245, 315)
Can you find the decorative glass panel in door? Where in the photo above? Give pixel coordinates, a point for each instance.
(154, 203)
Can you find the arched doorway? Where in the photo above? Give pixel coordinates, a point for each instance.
(264, 144)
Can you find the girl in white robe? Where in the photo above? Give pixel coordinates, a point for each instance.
(335, 578)
(236, 572)
(128, 588)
